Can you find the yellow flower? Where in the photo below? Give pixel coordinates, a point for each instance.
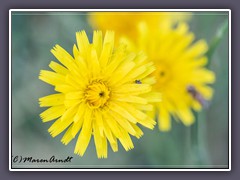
(98, 93)
(181, 76)
(125, 23)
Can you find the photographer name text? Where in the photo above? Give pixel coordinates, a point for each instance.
(30, 159)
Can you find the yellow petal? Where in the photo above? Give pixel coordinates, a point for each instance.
(182, 28)
(58, 68)
(164, 119)
(196, 106)
(107, 131)
(200, 62)
(74, 81)
(123, 122)
(51, 77)
(133, 89)
(75, 95)
(51, 100)
(97, 41)
(78, 120)
(82, 42)
(123, 112)
(69, 113)
(133, 74)
(97, 140)
(75, 52)
(64, 88)
(71, 102)
(107, 49)
(85, 134)
(82, 68)
(116, 60)
(141, 117)
(113, 125)
(126, 140)
(150, 70)
(67, 136)
(152, 97)
(206, 91)
(52, 113)
(203, 76)
(59, 126)
(114, 144)
(104, 147)
(80, 113)
(63, 56)
(149, 80)
(185, 115)
(99, 120)
(199, 48)
(131, 99)
(121, 73)
(93, 62)
(138, 131)
(179, 48)
(144, 107)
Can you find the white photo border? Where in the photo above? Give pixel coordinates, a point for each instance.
(118, 10)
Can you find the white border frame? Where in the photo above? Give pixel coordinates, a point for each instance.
(106, 10)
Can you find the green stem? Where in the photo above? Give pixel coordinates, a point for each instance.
(194, 132)
(202, 137)
(216, 40)
(199, 148)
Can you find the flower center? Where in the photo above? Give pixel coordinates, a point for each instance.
(97, 94)
(162, 74)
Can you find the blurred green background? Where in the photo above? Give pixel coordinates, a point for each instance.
(203, 145)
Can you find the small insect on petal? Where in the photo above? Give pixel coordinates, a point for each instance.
(197, 96)
(138, 81)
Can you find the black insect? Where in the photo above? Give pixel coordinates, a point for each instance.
(197, 96)
(138, 81)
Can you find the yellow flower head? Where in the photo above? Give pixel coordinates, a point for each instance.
(125, 23)
(180, 73)
(99, 93)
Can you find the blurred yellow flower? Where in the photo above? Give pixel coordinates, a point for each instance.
(98, 93)
(180, 73)
(125, 23)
